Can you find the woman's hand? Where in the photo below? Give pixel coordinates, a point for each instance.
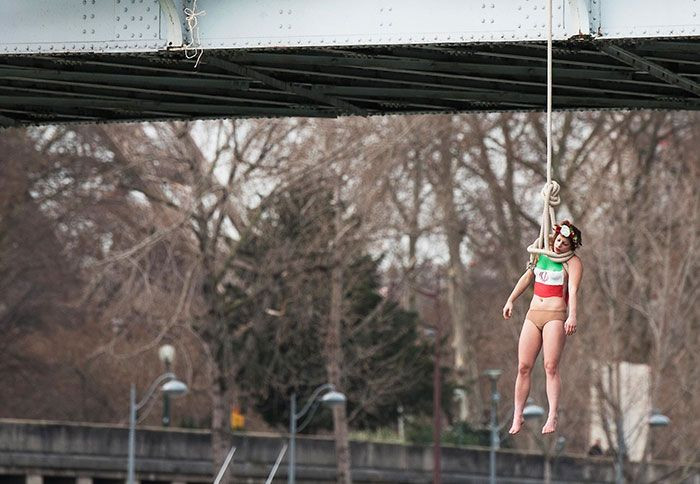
(508, 310)
(570, 325)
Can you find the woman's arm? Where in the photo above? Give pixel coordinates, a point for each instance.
(519, 288)
(575, 273)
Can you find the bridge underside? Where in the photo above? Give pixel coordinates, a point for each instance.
(367, 80)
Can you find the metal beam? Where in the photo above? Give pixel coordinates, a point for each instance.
(156, 107)
(173, 19)
(117, 81)
(650, 68)
(416, 64)
(283, 86)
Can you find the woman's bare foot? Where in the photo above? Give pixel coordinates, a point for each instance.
(550, 425)
(517, 423)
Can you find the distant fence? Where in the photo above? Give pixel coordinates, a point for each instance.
(37, 452)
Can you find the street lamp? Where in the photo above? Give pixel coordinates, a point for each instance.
(166, 353)
(330, 398)
(656, 419)
(170, 386)
(532, 411)
(493, 375)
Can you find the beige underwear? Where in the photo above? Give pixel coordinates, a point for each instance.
(542, 316)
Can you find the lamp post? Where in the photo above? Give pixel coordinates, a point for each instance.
(436, 333)
(166, 353)
(656, 419)
(493, 375)
(534, 411)
(330, 398)
(171, 386)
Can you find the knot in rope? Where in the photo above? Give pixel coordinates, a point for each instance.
(194, 44)
(550, 195)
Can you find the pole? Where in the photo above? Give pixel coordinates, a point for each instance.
(166, 402)
(132, 431)
(291, 478)
(437, 404)
(495, 440)
(277, 464)
(225, 465)
(621, 451)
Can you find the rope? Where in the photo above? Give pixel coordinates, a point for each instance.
(550, 192)
(194, 44)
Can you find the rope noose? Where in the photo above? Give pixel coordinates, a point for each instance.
(550, 192)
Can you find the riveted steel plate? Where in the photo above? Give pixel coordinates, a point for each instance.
(81, 26)
(649, 18)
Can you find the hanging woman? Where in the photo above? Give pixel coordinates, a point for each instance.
(547, 323)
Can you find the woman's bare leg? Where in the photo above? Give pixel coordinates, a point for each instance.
(554, 338)
(528, 348)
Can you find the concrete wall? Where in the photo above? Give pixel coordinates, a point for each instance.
(44, 451)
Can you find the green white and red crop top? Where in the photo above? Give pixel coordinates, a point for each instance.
(549, 277)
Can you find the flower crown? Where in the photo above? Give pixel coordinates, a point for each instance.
(567, 232)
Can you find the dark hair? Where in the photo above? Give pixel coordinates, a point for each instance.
(574, 233)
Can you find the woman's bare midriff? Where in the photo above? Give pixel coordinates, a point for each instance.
(548, 303)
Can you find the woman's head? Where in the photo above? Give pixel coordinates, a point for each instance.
(566, 237)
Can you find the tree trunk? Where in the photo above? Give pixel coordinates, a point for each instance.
(220, 441)
(465, 356)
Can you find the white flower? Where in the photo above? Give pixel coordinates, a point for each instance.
(565, 230)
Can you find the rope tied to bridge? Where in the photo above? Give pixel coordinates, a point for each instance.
(195, 43)
(550, 191)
